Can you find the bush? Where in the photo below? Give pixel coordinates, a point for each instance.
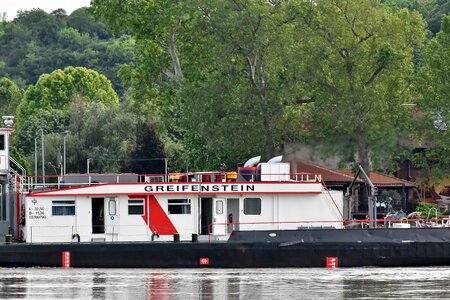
(428, 209)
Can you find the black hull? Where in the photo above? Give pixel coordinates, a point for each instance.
(237, 254)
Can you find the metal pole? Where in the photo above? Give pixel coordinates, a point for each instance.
(372, 205)
(165, 170)
(43, 155)
(88, 160)
(35, 157)
(64, 154)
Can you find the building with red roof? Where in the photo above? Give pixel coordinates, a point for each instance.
(389, 186)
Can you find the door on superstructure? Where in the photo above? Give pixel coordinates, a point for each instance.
(111, 219)
(206, 217)
(219, 216)
(98, 215)
(233, 214)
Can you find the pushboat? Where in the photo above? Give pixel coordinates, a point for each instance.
(261, 215)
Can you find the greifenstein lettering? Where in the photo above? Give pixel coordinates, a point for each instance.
(199, 188)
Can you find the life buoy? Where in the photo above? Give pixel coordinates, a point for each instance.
(404, 220)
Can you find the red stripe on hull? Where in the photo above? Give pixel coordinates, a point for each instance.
(157, 219)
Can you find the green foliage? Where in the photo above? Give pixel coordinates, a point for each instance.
(432, 10)
(147, 155)
(357, 63)
(225, 77)
(10, 96)
(55, 90)
(84, 23)
(37, 42)
(45, 105)
(53, 120)
(43, 26)
(21, 159)
(221, 81)
(432, 87)
(100, 132)
(219, 98)
(428, 210)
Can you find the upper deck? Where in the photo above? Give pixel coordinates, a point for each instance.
(213, 182)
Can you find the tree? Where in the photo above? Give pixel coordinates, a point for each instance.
(82, 21)
(100, 132)
(36, 43)
(46, 103)
(158, 39)
(10, 96)
(434, 12)
(147, 155)
(214, 70)
(433, 90)
(55, 90)
(356, 70)
(43, 26)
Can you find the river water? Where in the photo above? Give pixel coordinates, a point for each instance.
(350, 283)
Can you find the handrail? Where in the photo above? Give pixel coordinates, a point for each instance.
(24, 171)
(29, 183)
(445, 222)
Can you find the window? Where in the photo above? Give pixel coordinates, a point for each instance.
(136, 207)
(63, 208)
(179, 206)
(2, 142)
(252, 206)
(219, 207)
(112, 207)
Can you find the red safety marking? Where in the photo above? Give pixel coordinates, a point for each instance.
(332, 262)
(66, 259)
(204, 261)
(158, 220)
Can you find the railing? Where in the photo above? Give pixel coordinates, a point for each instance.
(328, 224)
(36, 183)
(115, 233)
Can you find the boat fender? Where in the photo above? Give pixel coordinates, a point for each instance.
(76, 237)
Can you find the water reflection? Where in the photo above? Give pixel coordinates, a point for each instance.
(99, 285)
(361, 283)
(233, 286)
(13, 287)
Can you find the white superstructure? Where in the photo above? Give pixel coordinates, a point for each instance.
(210, 204)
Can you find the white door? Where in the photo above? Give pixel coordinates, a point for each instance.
(111, 219)
(219, 216)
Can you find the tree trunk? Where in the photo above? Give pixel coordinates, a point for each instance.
(175, 59)
(363, 155)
